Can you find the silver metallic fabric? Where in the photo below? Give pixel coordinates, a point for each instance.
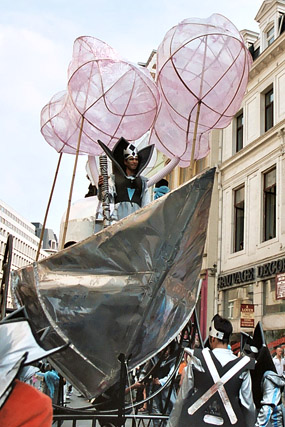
(271, 404)
(128, 289)
(19, 347)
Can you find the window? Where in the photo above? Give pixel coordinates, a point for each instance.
(239, 219)
(269, 204)
(268, 110)
(200, 165)
(239, 132)
(184, 175)
(231, 305)
(270, 303)
(233, 298)
(270, 36)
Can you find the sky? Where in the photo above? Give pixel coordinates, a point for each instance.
(36, 42)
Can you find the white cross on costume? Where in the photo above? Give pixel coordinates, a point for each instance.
(218, 385)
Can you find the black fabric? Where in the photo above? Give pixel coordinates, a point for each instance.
(214, 406)
(161, 183)
(117, 155)
(122, 184)
(263, 359)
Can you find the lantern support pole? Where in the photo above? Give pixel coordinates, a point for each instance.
(48, 206)
(72, 185)
(194, 140)
(198, 110)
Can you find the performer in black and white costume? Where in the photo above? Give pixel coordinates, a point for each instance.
(271, 410)
(127, 188)
(216, 389)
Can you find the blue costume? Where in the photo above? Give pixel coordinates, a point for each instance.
(127, 194)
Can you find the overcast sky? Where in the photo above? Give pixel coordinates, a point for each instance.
(36, 41)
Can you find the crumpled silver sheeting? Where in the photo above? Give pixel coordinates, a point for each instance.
(19, 347)
(128, 289)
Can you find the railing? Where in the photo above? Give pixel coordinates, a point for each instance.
(138, 420)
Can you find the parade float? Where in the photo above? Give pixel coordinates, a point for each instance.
(120, 296)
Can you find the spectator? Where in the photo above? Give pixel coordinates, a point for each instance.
(279, 361)
(161, 188)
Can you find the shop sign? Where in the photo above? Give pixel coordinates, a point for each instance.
(247, 316)
(237, 278)
(280, 286)
(270, 268)
(263, 271)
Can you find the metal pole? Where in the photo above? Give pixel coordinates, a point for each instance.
(123, 377)
(103, 161)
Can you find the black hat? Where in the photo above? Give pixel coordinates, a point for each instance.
(161, 183)
(256, 348)
(121, 149)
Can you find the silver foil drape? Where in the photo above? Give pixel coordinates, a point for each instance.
(128, 289)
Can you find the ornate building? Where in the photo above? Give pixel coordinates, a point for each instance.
(251, 176)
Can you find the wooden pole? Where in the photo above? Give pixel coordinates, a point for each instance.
(198, 110)
(72, 184)
(48, 206)
(194, 140)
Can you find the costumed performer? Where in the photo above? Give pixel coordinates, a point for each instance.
(127, 187)
(161, 188)
(21, 404)
(272, 408)
(216, 389)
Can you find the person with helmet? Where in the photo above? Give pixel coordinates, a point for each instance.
(216, 389)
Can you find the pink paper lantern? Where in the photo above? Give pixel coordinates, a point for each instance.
(107, 96)
(200, 61)
(116, 97)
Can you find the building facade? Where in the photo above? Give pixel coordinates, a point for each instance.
(50, 243)
(242, 268)
(207, 305)
(251, 175)
(25, 242)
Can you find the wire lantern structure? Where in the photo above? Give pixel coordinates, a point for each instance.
(106, 97)
(202, 74)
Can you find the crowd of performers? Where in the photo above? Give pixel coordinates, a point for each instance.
(211, 387)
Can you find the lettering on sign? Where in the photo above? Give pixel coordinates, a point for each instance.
(280, 286)
(269, 269)
(247, 315)
(243, 276)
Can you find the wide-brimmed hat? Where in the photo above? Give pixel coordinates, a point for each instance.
(124, 147)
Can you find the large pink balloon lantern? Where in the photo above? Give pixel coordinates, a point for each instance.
(202, 67)
(60, 125)
(107, 97)
(115, 96)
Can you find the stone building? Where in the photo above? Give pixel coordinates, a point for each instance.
(251, 176)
